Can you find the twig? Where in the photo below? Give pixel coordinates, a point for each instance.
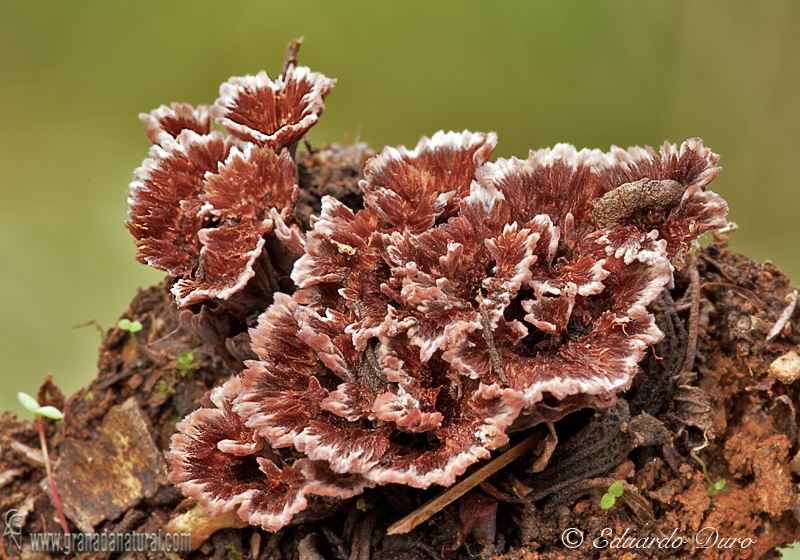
(425, 512)
(693, 292)
(309, 147)
(114, 379)
(486, 328)
(94, 324)
(744, 292)
(784, 318)
(290, 57)
(719, 266)
(499, 495)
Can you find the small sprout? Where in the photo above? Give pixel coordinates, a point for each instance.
(185, 364)
(361, 505)
(234, 551)
(131, 326)
(616, 489)
(28, 402)
(33, 406)
(610, 498)
(50, 412)
(165, 388)
(713, 487)
(89, 396)
(39, 412)
(717, 486)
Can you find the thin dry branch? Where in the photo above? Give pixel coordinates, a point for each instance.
(426, 511)
(693, 293)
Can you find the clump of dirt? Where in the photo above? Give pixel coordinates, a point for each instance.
(711, 404)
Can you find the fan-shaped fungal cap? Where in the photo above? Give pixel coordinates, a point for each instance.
(252, 194)
(412, 188)
(165, 200)
(201, 203)
(272, 113)
(200, 207)
(220, 463)
(166, 123)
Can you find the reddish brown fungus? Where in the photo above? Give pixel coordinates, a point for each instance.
(272, 113)
(202, 203)
(459, 329)
(420, 331)
(166, 123)
(218, 461)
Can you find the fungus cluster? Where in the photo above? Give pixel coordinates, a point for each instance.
(203, 203)
(466, 300)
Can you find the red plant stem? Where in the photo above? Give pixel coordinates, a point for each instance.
(56, 499)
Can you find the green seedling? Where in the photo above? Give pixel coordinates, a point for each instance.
(39, 413)
(186, 364)
(713, 487)
(716, 487)
(33, 406)
(131, 326)
(610, 498)
(234, 551)
(165, 388)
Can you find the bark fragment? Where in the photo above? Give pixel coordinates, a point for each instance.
(104, 477)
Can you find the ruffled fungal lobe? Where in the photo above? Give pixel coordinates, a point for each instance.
(205, 207)
(413, 188)
(252, 194)
(200, 208)
(165, 200)
(272, 113)
(691, 167)
(466, 300)
(219, 462)
(168, 122)
(335, 404)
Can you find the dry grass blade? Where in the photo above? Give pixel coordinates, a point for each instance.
(784, 317)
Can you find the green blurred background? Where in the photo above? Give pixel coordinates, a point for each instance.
(76, 74)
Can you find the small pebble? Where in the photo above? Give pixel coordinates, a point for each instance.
(786, 368)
